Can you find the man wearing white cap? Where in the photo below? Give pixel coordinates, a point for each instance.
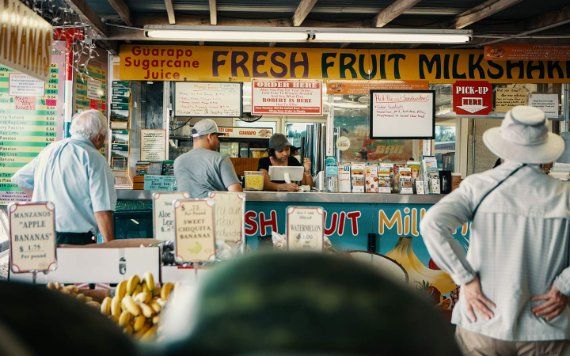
(204, 169)
(515, 277)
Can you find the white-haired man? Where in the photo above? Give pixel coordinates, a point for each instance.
(74, 175)
(515, 278)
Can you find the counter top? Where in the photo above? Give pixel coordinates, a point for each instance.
(312, 197)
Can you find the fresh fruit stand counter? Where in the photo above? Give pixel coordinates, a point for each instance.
(385, 224)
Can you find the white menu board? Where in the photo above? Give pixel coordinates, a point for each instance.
(204, 99)
(402, 114)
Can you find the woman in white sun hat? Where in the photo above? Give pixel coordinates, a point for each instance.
(515, 277)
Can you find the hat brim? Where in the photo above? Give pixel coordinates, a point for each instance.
(547, 152)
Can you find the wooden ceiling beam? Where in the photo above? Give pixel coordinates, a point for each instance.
(213, 12)
(392, 11)
(170, 11)
(88, 16)
(542, 22)
(302, 11)
(122, 10)
(478, 13)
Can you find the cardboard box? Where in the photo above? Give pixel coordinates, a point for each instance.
(109, 262)
(187, 275)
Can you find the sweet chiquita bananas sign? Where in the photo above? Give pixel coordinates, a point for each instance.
(194, 229)
(32, 237)
(205, 63)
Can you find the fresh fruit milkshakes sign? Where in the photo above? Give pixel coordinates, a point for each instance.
(199, 63)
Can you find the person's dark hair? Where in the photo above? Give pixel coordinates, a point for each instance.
(309, 303)
(47, 322)
(271, 152)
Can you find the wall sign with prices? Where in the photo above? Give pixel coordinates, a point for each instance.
(30, 119)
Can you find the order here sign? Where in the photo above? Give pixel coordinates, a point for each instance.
(472, 97)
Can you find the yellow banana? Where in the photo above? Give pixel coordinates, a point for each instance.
(139, 323)
(94, 304)
(106, 306)
(116, 306)
(149, 334)
(81, 297)
(124, 318)
(128, 329)
(137, 290)
(149, 281)
(155, 306)
(121, 290)
(155, 320)
(143, 297)
(132, 284)
(129, 304)
(146, 310)
(87, 299)
(166, 290)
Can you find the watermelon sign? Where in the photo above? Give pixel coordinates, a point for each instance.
(472, 97)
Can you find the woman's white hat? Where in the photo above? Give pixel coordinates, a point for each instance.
(523, 137)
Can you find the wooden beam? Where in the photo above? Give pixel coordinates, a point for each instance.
(304, 8)
(123, 10)
(88, 16)
(392, 11)
(478, 13)
(213, 13)
(170, 11)
(537, 24)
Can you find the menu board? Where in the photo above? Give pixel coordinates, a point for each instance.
(305, 227)
(286, 97)
(402, 114)
(230, 212)
(153, 145)
(194, 229)
(32, 237)
(29, 119)
(204, 99)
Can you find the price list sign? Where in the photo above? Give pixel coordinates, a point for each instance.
(28, 123)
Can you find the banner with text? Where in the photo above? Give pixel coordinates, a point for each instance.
(205, 63)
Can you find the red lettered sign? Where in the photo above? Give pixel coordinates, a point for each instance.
(472, 97)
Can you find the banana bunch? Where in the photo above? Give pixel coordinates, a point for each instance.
(137, 304)
(73, 291)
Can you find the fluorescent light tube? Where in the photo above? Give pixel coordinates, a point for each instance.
(228, 36)
(335, 37)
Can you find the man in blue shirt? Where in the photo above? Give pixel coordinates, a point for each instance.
(75, 177)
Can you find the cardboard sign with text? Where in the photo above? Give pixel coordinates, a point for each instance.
(509, 97)
(32, 237)
(230, 212)
(305, 228)
(163, 214)
(472, 97)
(194, 230)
